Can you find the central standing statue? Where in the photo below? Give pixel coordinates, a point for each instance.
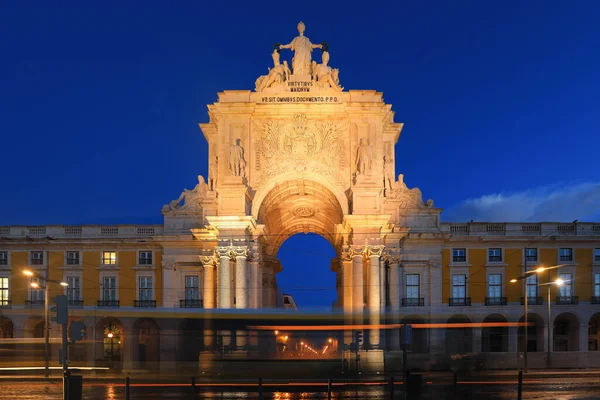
(302, 48)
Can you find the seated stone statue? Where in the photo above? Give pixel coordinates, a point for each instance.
(190, 198)
(325, 75)
(277, 74)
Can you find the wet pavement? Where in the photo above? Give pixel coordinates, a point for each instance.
(477, 390)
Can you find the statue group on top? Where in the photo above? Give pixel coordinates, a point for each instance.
(321, 76)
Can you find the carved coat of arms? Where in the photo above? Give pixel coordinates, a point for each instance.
(300, 145)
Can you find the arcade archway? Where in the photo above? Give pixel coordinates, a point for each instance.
(299, 206)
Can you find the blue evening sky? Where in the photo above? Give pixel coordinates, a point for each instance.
(99, 103)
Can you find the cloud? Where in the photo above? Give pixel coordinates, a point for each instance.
(556, 203)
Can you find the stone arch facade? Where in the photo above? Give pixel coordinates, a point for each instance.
(278, 167)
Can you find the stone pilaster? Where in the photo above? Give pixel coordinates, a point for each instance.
(208, 263)
(374, 299)
(224, 277)
(241, 277)
(358, 295)
(394, 287)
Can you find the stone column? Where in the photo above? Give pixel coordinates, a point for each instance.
(374, 294)
(241, 277)
(259, 284)
(346, 271)
(394, 287)
(224, 277)
(209, 282)
(583, 337)
(477, 340)
(513, 339)
(357, 286)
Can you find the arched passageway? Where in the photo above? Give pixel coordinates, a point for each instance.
(566, 332)
(306, 272)
(494, 339)
(109, 341)
(78, 351)
(459, 336)
(146, 348)
(535, 334)
(420, 338)
(34, 329)
(7, 328)
(191, 339)
(594, 333)
(286, 209)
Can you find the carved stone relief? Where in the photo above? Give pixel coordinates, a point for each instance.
(300, 145)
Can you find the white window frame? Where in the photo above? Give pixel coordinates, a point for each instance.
(537, 256)
(571, 261)
(109, 251)
(108, 274)
(489, 286)
(195, 275)
(43, 264)
(67, 258)
(596, 284)
(571, 284)
(140, 274)
(6, 275)
(495, 261)
(452, 262)
(536, 286)
(418, 286)
(66, 277)
(596, 259)
(466, 285)
(39, 291)
(7, 265)
(139, 253)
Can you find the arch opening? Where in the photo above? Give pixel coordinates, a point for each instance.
(299, 206)
(303, 257)
(594, 333)
(566, 332)
(494, 339)
(535, 334)
(459, 339)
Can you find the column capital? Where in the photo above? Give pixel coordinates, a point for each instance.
(239, 251)
(374, 250)
(223, 251)
(209, 260)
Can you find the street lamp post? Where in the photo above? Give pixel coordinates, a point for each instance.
(46, 315)
(524, 278)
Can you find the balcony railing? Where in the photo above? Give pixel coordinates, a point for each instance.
(108, 303)
(34, 303)
(5, 303)
(145, 303)
(191, 303)
(595, 299)
(459, 301)
(495, 301)
(76, 303)
(413, 302)
(567, 300)
(533, 301)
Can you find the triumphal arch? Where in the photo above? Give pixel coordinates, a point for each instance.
(299, 153)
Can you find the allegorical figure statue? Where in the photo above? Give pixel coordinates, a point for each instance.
(190, 197)
(214, 173)
(302, 48)
(237, 164)
(363, 158)
(325, 75)
(387, 174)
(277, 74)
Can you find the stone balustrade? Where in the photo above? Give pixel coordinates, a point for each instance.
(521, 229)
(82, 231)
